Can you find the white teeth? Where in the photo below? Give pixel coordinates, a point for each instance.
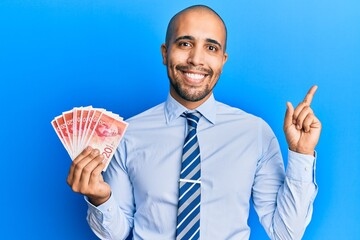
(195, 76)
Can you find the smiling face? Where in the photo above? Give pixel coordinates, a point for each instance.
(194, 56)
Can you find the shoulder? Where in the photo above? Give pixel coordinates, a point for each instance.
(224, 110)
(147, 120)
(151, 113)
(245, 123)
(241, 119)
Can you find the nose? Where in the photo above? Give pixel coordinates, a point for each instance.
(196, 56)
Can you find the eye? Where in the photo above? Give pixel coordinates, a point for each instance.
(184, 44)
(212, 48)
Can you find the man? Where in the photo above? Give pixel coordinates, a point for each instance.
(238, 156)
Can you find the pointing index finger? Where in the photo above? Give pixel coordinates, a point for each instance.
(309, 96)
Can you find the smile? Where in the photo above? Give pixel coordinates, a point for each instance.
(195, 76)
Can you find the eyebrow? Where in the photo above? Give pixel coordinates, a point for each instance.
(187, 37)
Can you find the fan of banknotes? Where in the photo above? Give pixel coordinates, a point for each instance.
(88, 126)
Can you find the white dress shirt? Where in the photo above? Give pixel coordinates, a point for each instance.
(240, 161)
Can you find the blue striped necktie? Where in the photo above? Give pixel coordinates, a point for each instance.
(188, 220)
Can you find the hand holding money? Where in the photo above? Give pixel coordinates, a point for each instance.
(90, 136)
(85, 176)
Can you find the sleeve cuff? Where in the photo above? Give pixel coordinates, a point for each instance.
(103, 211)
(301, 167)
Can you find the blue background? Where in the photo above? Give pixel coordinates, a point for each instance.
(58, 54)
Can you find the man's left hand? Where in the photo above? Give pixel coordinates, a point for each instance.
(302, 128)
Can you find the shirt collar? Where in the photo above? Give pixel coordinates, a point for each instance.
(173, 109)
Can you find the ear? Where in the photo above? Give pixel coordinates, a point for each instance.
(164, 53)
(225, 58)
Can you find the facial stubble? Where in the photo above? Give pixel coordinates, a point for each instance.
(190, 93)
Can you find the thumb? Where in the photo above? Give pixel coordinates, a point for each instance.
(288, 115)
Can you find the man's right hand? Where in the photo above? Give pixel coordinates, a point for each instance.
(85, 176)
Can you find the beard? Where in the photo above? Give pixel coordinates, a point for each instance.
(192, 93)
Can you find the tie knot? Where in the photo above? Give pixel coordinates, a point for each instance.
(192, 118)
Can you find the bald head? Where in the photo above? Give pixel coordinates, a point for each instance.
(196, 8)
